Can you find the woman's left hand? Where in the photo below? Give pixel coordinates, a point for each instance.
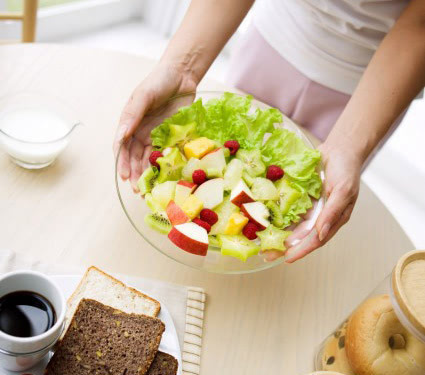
(342, 172)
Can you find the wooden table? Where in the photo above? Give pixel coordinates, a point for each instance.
(263, 323)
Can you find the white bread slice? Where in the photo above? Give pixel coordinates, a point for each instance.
(109, 291)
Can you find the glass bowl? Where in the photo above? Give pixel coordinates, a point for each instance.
(135, 207)
(35, 128)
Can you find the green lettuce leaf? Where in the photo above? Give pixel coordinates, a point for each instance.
(298, 208)
(286, 150)
(185, 115)
(312, 187)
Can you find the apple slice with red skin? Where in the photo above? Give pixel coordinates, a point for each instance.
(258, 213)
(241, 194)
(183, 190)
(175, 214)
(190, 237)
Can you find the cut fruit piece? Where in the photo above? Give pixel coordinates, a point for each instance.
(175, 214)
(237, 246)
(163, 193)
(211, 192)
(152, 203)
(276, 217)
(183, 190)
(192, 206)
(252, 160)
(273, 238)
(258, 213)
(214, 173)
(249, 180)
(214, 160)
(241, 194)
(170, 166)
(199, 147)
(233, 174)
(166, 151)
(159, 222)
(264, 190)
(213, 241)
(181, 134)
(147, 180)
(287, 195)
(236, 223)
(192, 165)
(223, 211)
(190, 237)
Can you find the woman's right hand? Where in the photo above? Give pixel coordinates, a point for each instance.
(164, 82)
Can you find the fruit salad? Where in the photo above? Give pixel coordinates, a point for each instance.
(225, 178)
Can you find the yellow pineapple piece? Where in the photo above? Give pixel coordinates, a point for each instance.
(236, 223)
(198, 147)
(192, 206)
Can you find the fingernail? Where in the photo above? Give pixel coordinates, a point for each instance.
(324, 232)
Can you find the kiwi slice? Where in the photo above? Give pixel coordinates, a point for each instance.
(253, 162)
(159, 222)
(147, 180)
(181, 134)
(170, 166)
(213, 242)
(276, 217)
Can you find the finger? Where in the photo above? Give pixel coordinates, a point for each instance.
(136, 169)
(132, 115)
(338, 201)
(123, 165)
(312, 242)
(146, 153)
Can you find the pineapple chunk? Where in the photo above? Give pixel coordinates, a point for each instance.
(198, 147)
(236, 223)
(192, 206)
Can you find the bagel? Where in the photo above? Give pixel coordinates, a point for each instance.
(378, 344)
(334, 357)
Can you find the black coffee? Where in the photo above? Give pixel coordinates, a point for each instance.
(25, 314)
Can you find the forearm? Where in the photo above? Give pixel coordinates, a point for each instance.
(205, 29)
(393, 78)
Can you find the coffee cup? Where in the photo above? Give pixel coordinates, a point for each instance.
(23, 346)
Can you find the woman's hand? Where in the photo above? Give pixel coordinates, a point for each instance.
(134, 128)
(342, 171)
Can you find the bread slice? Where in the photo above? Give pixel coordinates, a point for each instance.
(104, 340)
(104, 288)
(163, 364)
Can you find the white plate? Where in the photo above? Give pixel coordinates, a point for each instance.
(169, 342)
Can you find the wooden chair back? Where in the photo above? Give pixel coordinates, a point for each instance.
(28, 18)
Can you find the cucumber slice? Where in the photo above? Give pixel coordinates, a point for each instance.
(237, 246)
(273, 238)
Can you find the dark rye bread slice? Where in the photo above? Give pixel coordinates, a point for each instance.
(163, 364)
(102, 340)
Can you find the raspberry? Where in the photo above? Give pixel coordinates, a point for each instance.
(202, 224)
(274, 172)
(209, 216)
(249, 231)
(155, 155)
(199, 176)
(233, 146)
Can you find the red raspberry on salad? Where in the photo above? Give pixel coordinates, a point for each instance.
(274, 172)
(249, 231)
(208, 216)
(233, 146)
(199, 177)
(202, 224)
(155, 155)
